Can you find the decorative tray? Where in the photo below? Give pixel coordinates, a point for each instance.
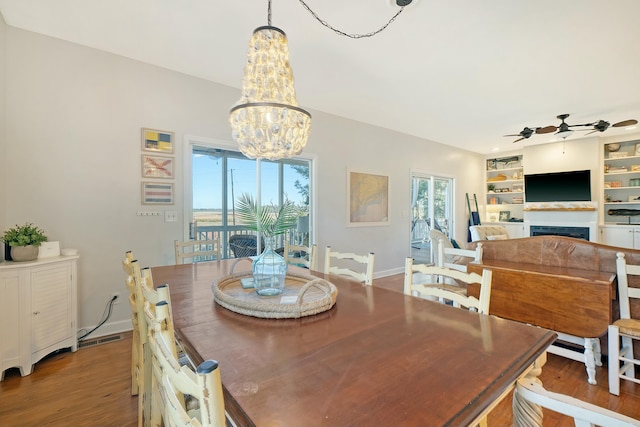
(303, 295)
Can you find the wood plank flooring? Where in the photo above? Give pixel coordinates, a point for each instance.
(91, 387)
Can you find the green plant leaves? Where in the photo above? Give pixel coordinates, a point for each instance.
(269, 220)
(23, 235)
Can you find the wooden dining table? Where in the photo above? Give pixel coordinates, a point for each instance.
(376, 358)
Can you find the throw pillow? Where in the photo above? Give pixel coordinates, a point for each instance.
(497, 237)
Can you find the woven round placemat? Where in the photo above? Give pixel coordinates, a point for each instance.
(303, 295)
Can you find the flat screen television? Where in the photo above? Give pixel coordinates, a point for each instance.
(573, 186)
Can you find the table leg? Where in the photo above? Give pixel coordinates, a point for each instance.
(590, 359)
(527, 414)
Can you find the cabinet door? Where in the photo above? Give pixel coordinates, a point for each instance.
(51, 305)
(14, 334)
(622, 237)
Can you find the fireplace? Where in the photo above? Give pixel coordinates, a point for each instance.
(579, 220)
(575, 232)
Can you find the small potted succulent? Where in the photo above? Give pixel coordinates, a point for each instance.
(23, 241)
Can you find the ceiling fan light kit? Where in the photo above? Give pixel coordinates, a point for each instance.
(564, 130)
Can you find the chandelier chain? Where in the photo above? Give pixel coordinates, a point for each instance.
(340, 32)
(269, 13)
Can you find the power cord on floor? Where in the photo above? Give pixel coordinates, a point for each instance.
(108, 309)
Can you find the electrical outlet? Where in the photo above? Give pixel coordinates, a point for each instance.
(116, 295)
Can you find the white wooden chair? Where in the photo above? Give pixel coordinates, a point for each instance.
(622, 332)
(450, 257)
(365, 276)
(445, 292)
(141, 291)
(300, 255)
(197, 250)
(584, 414)
(172, 382)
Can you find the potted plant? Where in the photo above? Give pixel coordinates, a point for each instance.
(269, 268)
(24, 241)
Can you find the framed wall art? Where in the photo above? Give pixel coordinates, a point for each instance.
(368, 199)
(157, 166)
(505, 216)
(159, 141)
(157, 193)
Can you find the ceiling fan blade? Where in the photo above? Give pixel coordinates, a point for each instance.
(518, 140)
(547, 129)
(593, 131)
(624, 123)
(515, 134)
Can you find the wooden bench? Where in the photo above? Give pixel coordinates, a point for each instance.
(574, 303)
(564, 284)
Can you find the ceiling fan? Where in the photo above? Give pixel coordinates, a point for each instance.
(565, 129)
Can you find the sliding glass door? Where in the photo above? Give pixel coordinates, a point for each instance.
(220, 176)
(431, 208)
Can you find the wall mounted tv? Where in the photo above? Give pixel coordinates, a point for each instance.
(574, 186)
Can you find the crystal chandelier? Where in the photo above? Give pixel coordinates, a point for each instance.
(266, 122)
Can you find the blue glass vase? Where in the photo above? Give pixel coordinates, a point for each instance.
(269, 271)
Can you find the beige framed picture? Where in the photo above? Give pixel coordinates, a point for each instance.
(160, 141)
(157, 167)
(368, 199)
(157, 193)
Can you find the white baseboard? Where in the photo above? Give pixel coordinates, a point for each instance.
(385, 273)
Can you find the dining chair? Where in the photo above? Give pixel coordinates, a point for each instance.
(141, 289)
(244, 245)
(174, 385)
(584, 414)
(456, 258)
(349, 263)
(300, 255)
(623, 332)
(197, 250)
(441, 290)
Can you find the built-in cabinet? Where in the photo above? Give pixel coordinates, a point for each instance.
(38, 310)
(621, 194)
(622, 236)
(621, 183)
(505, 190)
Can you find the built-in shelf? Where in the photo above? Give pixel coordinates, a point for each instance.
(559, 209)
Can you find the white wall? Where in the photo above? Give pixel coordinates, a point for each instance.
(73, 119)
(573, 155)
(3, 136)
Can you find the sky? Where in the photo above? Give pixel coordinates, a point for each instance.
(207, 176)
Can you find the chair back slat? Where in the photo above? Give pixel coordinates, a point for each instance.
(365, 276)
(196, 250)
(300, 255)
(437, 287)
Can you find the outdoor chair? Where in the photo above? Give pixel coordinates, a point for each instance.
(244, 245)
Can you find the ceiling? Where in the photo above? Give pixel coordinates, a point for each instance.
(458, 72)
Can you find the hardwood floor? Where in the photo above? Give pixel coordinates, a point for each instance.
(91, 387)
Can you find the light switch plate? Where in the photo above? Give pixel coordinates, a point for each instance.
(170, 216)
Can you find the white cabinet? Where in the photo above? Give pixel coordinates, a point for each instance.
(622, 236)
(38, 310)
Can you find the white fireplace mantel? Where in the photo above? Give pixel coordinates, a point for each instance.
(562, 214)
